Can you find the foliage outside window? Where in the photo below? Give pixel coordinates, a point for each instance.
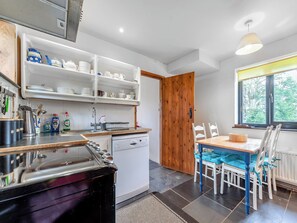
(269, 100)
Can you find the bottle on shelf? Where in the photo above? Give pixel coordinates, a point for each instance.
(55, 125)
(66, 122)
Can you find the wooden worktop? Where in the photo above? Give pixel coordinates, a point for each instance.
(251, 146)
(52, 141)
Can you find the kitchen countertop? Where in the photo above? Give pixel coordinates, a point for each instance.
(68, 139)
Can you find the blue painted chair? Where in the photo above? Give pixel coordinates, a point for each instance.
(236, 165)
(210, 159)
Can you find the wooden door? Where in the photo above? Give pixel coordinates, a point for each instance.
(177, 119)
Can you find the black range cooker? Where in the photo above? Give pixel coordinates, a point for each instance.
(75, 184)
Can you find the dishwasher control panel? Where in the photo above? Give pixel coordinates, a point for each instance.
(129, 141)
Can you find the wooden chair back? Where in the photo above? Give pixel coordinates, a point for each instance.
(213, 129)
(198, 133)
(262, 151)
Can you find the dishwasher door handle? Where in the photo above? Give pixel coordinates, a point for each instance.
(133, 143)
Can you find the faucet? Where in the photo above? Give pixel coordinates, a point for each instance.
(95, 124)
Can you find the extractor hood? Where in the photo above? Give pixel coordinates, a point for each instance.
(56, 17)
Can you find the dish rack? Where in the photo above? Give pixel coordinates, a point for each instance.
(114, 126)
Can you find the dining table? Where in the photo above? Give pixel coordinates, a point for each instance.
(245, 149)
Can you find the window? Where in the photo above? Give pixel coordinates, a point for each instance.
(268, 98)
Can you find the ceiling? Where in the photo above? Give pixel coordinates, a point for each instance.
(166, 30)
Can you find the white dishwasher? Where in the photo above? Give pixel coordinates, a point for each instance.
(131, 156)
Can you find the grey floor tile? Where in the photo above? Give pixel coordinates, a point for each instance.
(174, 198)
(190, 190)
(269, 210)
(230, 199)
(153, 165)
(205, 210)
(159, 172)
(281, 192)
(158, 185)
(291, 212)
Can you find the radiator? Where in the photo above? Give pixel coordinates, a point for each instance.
(286, 170)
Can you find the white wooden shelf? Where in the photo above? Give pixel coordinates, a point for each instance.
(57, 72)
(54, 77)
(108, 81)
(122, 101)
(58, 96)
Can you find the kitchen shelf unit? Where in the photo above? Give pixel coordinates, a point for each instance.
(54, 77)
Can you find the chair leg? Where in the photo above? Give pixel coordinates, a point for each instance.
(273, 179)
(206, 168)
(228, 178)
(214, 170)
(269, 183)
(232, 177)
(195, 173)
(238, 180)
(260, 187)
(222, 179)
(255, 192)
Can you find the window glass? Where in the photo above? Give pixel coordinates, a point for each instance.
(254, 101)
(285, 97)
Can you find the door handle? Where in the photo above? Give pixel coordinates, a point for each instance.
(191, 113)
(133, 143)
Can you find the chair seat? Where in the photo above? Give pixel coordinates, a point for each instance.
(210, 157)
(240, 164)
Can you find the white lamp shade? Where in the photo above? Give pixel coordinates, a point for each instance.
(249, 43)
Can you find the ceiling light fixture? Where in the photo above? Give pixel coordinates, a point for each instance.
(249, 43)
(121, 30)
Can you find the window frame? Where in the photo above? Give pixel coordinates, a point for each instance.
(269, 106)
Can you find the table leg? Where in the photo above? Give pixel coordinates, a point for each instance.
(200, 167)
(247, 159)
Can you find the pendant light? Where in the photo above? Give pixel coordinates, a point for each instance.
(249, 43)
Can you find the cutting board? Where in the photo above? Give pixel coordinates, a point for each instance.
(8, 50)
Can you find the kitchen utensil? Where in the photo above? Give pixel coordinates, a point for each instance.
(112, 95)
(122, 76)
(69, 65)
(86, 91)
(116, 76)
(107, 74)
(65, 90)
(39, 88)
(56, 63)
(48, 60)
(122, 95)
(34, 55)
(84, 66)
(26, 114)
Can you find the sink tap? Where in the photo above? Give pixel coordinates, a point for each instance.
(95, 122)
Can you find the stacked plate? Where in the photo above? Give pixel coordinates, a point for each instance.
(84, 67)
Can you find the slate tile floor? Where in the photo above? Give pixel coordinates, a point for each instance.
(183, 196)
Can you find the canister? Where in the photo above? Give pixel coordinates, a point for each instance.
(18, 127)
(7, 131)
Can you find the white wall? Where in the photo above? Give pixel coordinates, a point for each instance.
(215, 92)
(148, 113)
(82, 112)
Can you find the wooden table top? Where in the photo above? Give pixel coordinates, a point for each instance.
(251, 146)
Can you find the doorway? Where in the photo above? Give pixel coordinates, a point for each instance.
(148, 113)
